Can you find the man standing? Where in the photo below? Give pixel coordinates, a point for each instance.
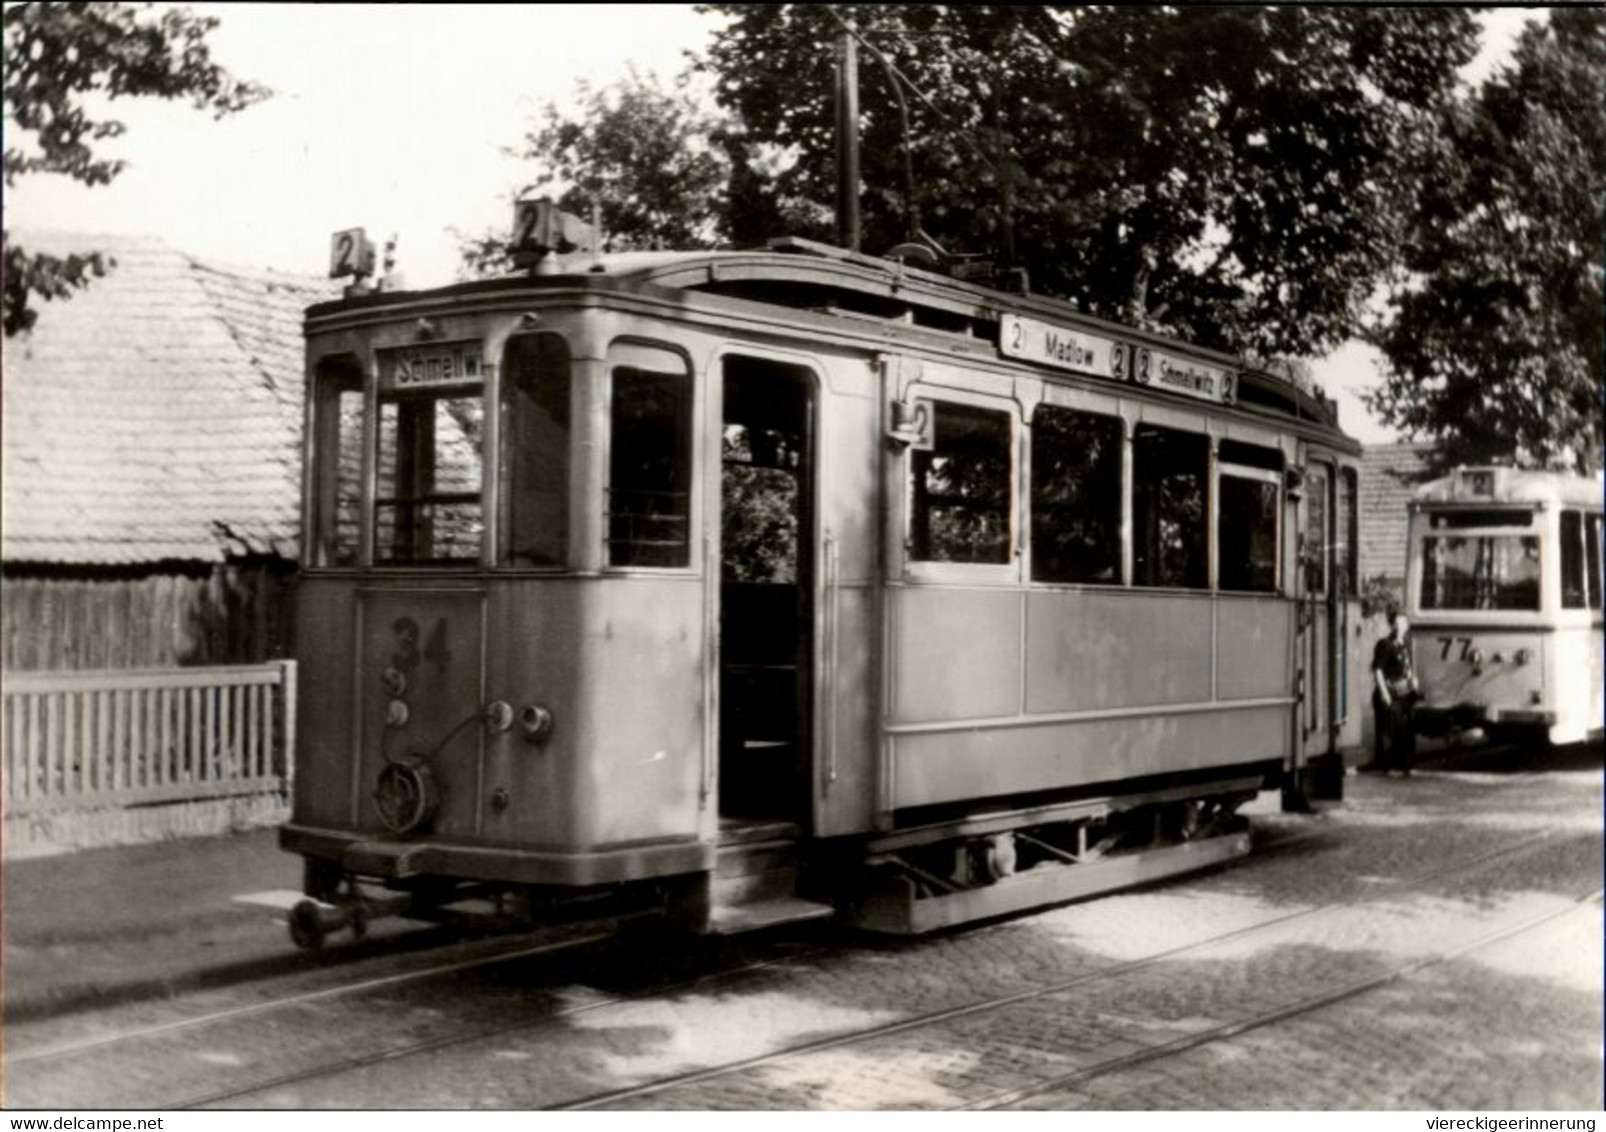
(1393, 696)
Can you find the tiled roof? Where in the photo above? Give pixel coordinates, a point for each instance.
(1389, 473)
(155, 415)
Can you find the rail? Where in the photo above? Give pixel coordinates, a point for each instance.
(82, 740)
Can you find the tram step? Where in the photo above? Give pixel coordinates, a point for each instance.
(732, 919)
(744, 860)
(755, 887)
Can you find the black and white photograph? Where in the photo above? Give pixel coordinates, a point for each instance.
(802, 558)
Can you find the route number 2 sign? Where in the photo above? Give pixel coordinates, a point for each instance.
(350, 253)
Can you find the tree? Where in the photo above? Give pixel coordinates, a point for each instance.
(62, 59)
(665, 170)
(1493, 341)
(650, 160)
(1232, 174)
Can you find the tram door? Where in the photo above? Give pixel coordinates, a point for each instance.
(1315, 636)
(767, 582)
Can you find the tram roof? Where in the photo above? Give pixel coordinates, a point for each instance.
(798, 274)
(1485, 484)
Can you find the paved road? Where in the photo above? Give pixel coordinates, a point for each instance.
(1422, 946)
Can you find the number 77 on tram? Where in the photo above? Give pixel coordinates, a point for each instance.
(751, 586)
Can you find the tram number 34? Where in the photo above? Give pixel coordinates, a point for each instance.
(1449, 642)
(407, 654)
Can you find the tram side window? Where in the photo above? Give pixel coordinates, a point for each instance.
(430, 468)
(1592, 558)
(1076, 496)
(535, 410)
(649, 464)
(1170, 473)
(1248, 531)
(960, 505)
(1572, 560)
(337, 461)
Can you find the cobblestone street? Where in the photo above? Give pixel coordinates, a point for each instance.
(1431, 943)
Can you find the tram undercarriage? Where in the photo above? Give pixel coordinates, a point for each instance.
(907, 882)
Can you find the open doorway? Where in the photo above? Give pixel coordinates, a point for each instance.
(766, 591)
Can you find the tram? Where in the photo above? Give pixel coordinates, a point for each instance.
(752, 586)
(1504, 596)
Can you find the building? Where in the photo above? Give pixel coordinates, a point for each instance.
(152, 454)
(1389, 474)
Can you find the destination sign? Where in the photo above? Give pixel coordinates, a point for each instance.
(430, 365)
(1057, 346)
(1160, 370)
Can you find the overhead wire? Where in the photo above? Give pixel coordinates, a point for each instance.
(901, 78)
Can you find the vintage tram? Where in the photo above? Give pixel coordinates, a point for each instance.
(1504, 596)
(761, 585)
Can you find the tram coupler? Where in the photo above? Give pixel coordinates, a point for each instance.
(312, 922)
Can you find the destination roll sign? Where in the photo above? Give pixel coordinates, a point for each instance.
(426, 366)
(1062, 348)
(1161, 370)
(1076, 350)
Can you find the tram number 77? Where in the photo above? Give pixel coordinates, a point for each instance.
(1466, 646)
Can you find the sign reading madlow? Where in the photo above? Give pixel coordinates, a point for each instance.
(1051, 345)
(431, 365)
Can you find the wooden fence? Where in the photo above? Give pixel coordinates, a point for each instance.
(82, 740)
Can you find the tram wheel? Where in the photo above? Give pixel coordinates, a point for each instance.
(306, 926)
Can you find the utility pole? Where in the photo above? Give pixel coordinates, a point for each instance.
(847, 142)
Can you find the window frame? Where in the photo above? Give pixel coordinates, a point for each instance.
(691, 446)
(1118, 425)
(1573, 557)
(928, 570)
(433, 396)
(1229, 470)
(334, 376)
(507, 439)
(1471, 534)
(1593, 536)
(1207, 519)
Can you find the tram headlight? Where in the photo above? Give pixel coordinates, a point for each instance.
(536, 723)
(1476, 657)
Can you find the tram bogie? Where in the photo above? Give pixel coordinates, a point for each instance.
(1504, 596)
(758, 586)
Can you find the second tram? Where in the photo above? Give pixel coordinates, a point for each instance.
(1504, 596)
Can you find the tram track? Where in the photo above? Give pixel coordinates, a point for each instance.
(257, 1011)
(1467, 866)
(357, 1061)
(1306, 1006)
(145, 1033)
(1089, 979)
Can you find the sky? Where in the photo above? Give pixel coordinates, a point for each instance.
(394, 118)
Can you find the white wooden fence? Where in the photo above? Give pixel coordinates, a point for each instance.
(83, 740)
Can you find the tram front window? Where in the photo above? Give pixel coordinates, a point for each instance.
(430, 466)
(337, 464)
(1480, 572)
(535, 450)
(649, 461)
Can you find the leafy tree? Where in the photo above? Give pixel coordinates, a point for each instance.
(664, 170)
(1230, 173)
(1493, 343)
(648, 158)
(62, 59)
